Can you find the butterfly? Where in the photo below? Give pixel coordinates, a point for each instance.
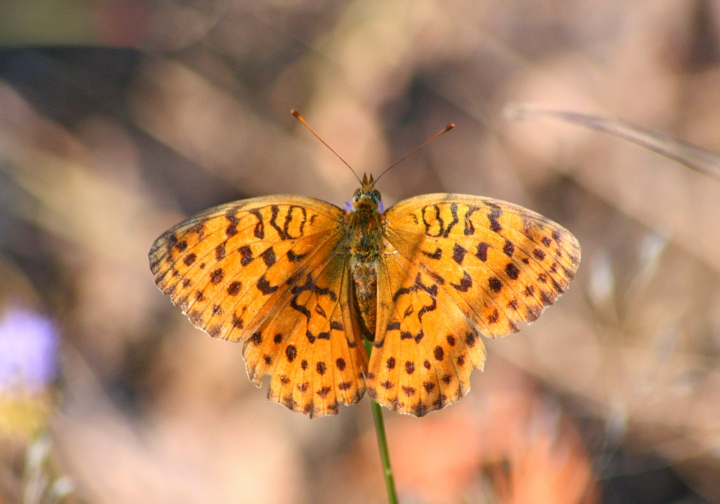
(302, 284)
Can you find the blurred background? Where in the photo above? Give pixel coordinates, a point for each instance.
(118, 119)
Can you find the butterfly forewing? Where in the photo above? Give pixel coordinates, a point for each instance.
(501, 262)
(268, 272)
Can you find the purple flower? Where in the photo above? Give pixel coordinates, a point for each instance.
(28, 351)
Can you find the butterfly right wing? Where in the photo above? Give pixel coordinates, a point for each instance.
(453, 267)
(271, 273)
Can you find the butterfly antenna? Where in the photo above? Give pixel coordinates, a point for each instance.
(300, 118)
(437, 135)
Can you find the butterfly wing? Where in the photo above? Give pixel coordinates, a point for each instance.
(272, 273)
(454, 267)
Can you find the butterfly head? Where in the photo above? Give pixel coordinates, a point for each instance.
(366, 197)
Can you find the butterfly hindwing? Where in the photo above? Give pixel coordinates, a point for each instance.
(321, 363)
(425, 347)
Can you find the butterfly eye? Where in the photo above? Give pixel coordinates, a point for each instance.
(375, 195)
(356, 196)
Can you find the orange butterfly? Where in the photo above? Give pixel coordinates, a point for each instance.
(301, 282)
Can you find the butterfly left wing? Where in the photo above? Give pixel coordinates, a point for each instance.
(270, 272)
(454, 267)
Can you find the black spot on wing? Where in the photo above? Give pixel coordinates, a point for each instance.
(493, 218)
(482, 251)
(246, 256)
(465, 283)
(459, 253)
(512, 271)
(268, 257)
(433, 255)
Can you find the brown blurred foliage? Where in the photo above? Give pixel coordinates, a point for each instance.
(612, 396)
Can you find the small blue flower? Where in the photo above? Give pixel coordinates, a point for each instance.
(28, 351)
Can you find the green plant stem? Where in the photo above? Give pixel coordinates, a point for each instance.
(382, 444)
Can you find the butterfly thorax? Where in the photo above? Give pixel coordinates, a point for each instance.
(365, 231)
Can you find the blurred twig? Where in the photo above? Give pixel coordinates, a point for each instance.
(693, 157)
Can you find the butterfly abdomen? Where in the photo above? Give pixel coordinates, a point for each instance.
(365, 288)
(365, 230)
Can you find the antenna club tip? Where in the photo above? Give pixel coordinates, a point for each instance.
(449, 126)
(294, 112)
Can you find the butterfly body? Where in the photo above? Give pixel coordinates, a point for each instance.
(365, 231)
(302, 283)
